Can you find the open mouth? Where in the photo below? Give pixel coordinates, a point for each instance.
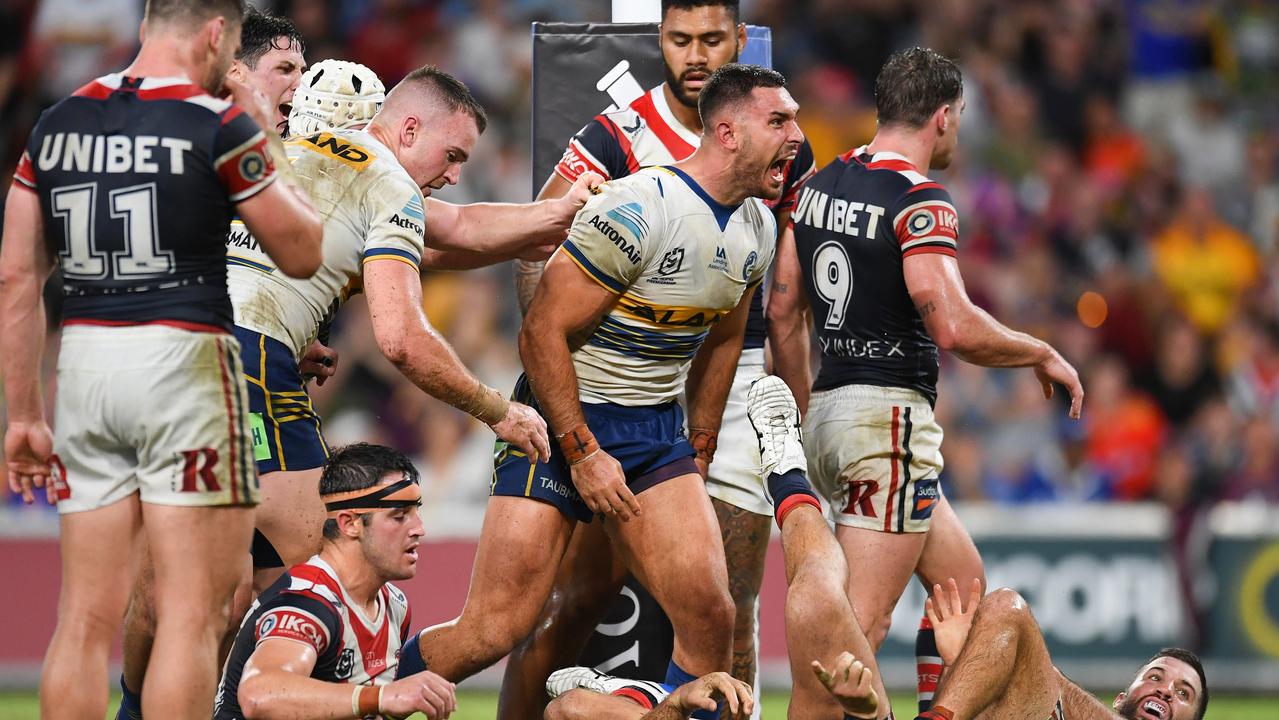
(412, 553)
(777, 171)
(695, 80)
(1155, 708)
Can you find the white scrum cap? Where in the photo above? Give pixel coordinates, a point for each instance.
(335, 94)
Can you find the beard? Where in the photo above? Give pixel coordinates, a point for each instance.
(686, 97)
(1128, 708)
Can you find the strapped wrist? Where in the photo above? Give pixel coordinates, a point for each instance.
(578, 444)
(486, 404)
(704, 441)
(366, 700)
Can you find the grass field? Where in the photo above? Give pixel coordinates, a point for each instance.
(483, 706)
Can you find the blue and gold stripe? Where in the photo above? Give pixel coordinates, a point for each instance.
(245, 262)
(599, 276)
(403, 256)
(645, 344)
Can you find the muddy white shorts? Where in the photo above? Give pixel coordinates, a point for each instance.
(734, 475)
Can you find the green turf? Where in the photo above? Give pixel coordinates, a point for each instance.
(483, 706)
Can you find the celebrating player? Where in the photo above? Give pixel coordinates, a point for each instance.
(324, 640)
(652, 287)
(663, 126)
(873, 247)
(997, 666)
(133, 181)
(821, 626)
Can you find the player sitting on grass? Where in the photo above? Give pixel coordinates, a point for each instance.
(324, 640)
(997, 666)
(820, 623)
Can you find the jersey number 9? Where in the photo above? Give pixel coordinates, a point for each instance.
(833, 280)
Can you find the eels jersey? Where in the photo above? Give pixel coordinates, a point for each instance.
(371, 209)
(678, 261)
(308, 605)
(645, 134)
(856, 221)
(138, 180)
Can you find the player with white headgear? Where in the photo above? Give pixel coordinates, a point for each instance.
(335, 95)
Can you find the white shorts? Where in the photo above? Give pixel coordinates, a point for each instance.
(875, 453)
(734, 475)
(155, 410)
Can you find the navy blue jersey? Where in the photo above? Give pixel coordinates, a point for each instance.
(138, 180)
(855, 222)
(645, 134)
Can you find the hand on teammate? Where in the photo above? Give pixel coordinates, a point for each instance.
(1056, 370)
(424, 692)
(526, 430)
(586, 185)
(602, 485)
(706, 692)
(252, 101)
(319, 362)
(951, 619)
(27, 449)
(852, 684)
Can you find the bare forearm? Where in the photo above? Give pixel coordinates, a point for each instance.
(549, 366)
(709, 379)
(433, 259)
(290, 696)
(788, 336)
(982, 340)
(496, 228)
(430, 363)
(22, 333)
(527, 276)
(665, 711)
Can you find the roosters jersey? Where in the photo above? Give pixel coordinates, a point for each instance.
(855, 222)
(371, 209)
(308, 605)
(138, 180)
(678, 261)
(645, 134)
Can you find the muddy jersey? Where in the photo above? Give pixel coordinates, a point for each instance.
(645, 134)
(857, 219)
(678, 261)
(138, 179)
(371, 209)
(308, 605)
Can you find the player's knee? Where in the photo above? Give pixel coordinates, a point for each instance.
(1005, 601)
(744, 615)
(814, 603)
(569, 706)
(707, 614)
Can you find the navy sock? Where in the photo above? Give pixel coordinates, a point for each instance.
(130, 703)
(676, 676)
(411, 660)
(928, 665)
(790, 490)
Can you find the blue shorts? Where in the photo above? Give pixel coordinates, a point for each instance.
(286, 430)
(648, 441)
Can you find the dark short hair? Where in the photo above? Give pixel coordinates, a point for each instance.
(193, 10)
(359, 466)
(261, 32)
(452, 92)
(913, 84)
(1193, 661)
(732, 5)
(731, 84)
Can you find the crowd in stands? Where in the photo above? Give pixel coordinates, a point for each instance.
(1117, 183)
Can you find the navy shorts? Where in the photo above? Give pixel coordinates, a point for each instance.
(648, 441)
(286, 430)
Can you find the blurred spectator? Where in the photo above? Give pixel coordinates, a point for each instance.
(1183, 378)
(79, 40)
(1204, 263)
(1125, 431)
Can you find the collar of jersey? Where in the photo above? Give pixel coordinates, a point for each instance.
(721, 212)
(883, 155)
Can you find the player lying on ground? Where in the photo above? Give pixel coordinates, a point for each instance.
(324, 640)
(997, 667)
(821, 626)
(580, 693)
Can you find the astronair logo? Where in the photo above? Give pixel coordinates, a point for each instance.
(407, 224)
(608, 231)
(630, 216)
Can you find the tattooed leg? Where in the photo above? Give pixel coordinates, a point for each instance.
(745, 543)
